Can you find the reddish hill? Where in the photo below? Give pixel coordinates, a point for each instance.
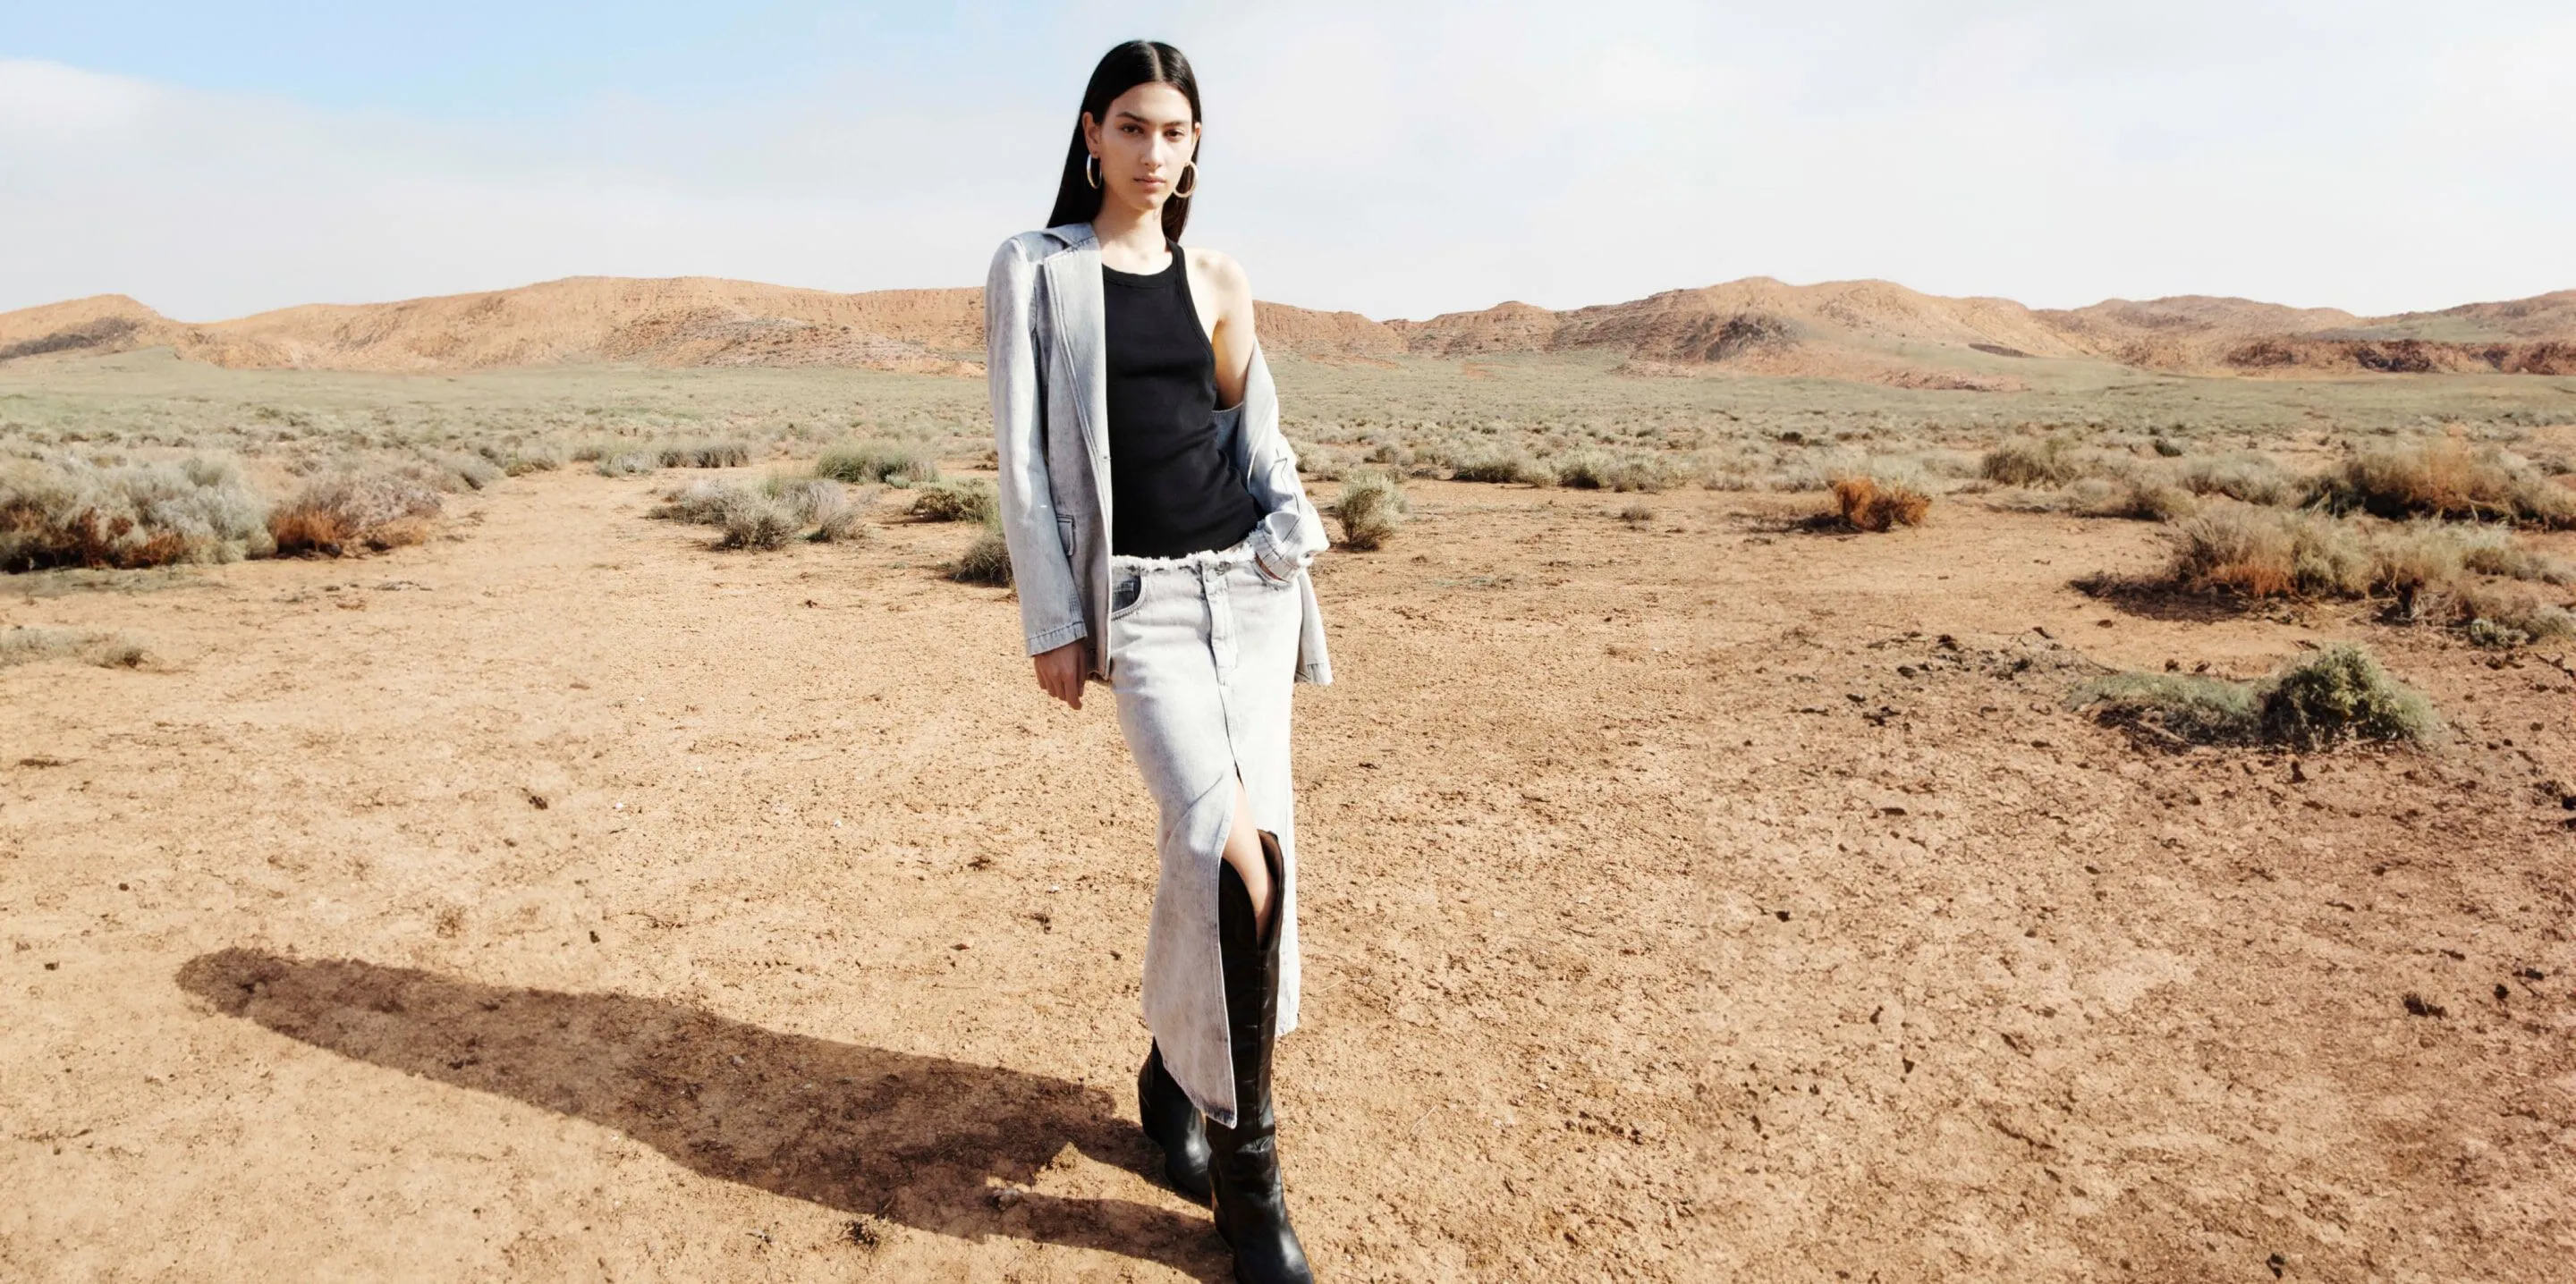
(1865, 330)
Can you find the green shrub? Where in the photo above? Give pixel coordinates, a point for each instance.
(2196, 709)
(969, 500)
(1371, 507)
(895, 463)
(2340, 693)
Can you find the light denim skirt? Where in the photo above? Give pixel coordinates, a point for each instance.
(1203, 659)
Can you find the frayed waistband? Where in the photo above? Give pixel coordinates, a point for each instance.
(1238, 555)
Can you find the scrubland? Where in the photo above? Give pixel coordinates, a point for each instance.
(598, 821)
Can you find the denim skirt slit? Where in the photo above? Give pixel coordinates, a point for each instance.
(1202, 661)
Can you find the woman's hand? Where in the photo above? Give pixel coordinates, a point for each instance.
(1060, 672)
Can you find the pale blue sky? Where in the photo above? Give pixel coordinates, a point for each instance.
(1394, 158)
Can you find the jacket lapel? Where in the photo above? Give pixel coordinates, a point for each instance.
(1073, 288)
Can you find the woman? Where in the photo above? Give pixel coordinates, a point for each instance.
(1159, 538)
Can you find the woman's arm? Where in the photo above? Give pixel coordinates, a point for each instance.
(1291, 531)
(1229, 293)
(1050, 600)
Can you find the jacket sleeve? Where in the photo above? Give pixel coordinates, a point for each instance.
(1291, 531)
(1050, 601)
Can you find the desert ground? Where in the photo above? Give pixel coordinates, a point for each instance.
(1692, 890)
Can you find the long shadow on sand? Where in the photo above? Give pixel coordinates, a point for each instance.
(863, 1130)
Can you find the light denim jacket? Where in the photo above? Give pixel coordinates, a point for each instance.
(1046, 356)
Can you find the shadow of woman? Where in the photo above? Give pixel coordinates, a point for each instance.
(867, 1131)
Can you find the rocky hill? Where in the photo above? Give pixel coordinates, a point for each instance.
(1872, 331)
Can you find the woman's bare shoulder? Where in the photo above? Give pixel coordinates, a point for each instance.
(1219, 270)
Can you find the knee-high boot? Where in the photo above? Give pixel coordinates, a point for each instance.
(1243, 1166)
(1173, 1124)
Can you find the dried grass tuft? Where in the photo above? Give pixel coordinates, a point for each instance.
(894, 463)
(1372, 507)
(987, 560)
(970, 500)
(2447, 477)
(1879, 504)
(69, 512)
(355, 510)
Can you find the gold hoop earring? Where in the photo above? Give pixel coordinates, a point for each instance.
(1091, 171)
(1191, 169)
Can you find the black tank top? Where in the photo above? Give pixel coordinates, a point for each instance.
(1171, 490)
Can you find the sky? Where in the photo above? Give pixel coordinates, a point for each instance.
(1392, 158)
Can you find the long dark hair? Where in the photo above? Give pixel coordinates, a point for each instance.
(1137, 62)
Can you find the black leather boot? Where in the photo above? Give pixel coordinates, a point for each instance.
(1243, 1164)
(1173, 1124)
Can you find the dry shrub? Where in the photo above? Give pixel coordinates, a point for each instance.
(2251, 476)
(703, 454)
(757, 521)
(2340, 693)
(2263, 552)
(523, 460)
(813, 500)
(1876, 504)
(971, 500)
(69, 512)
(2447, 477)
(846, 526)
(987, 560)
(1587, 468)
(23, 644)
(351, 511)
(2503, 617)
(2139, 495)
(1372, 506)
(457, 473)
(1498, 463)
(2031, 461)
(764, 517)
(895, 463)
(701, 503)
(627, 463)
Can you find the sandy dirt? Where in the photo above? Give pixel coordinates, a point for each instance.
(568, 900)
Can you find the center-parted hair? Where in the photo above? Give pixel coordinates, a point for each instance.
(1137, 62)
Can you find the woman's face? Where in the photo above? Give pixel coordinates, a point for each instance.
(1143, 145)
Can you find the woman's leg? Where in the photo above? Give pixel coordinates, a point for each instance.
(1243, 852)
